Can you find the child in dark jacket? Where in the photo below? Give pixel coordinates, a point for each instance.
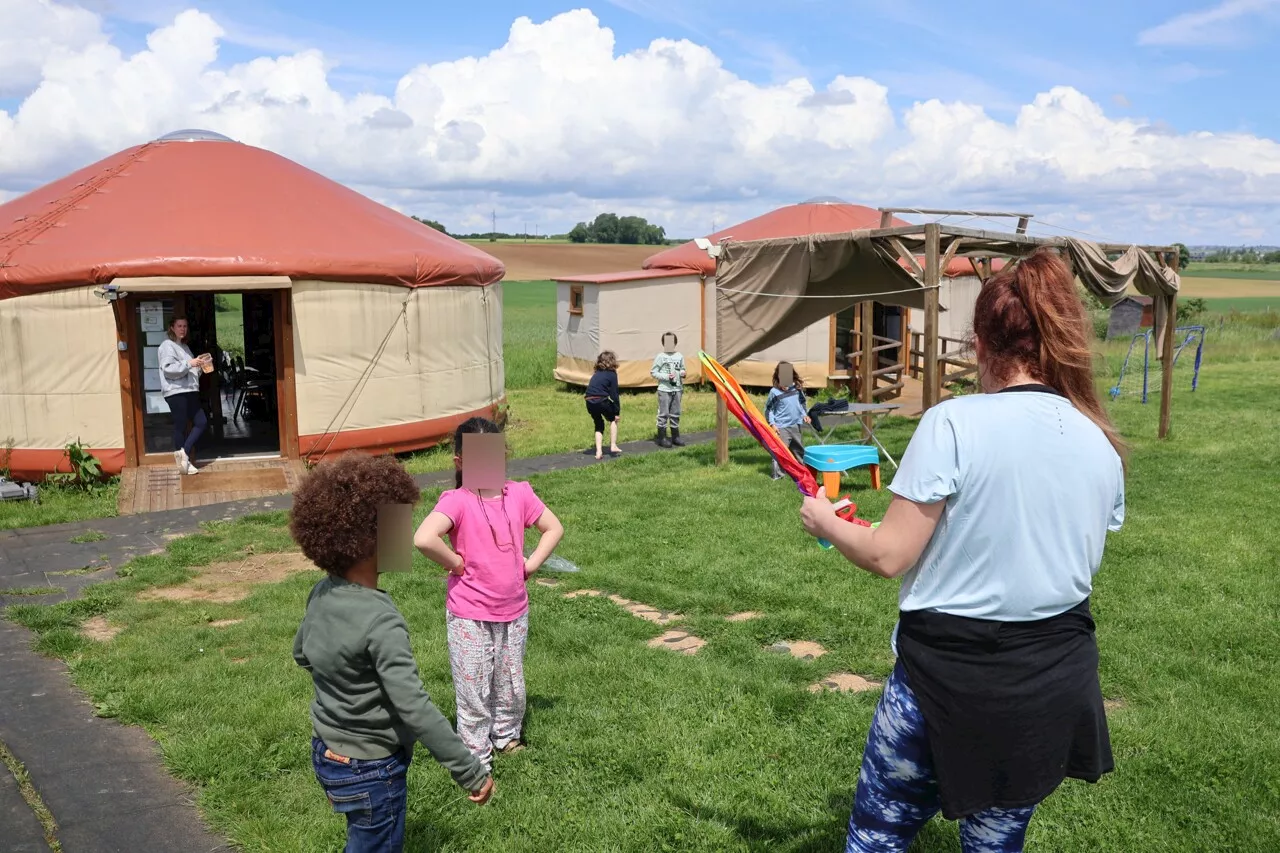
(603, 403)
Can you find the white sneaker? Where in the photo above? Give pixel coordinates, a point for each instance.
(180, 456)
(192, 469)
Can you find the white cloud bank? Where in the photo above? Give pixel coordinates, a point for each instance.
(555, 126)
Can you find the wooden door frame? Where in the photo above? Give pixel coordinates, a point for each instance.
(132, 390)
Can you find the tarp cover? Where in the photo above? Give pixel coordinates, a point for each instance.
(1108, 280)
(793, 220)
(768, 290)
(212, 208)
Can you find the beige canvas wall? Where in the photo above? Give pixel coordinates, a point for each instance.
(957, 295)
(59, 371)
(577, 335)
(628, 318)
(443, 355)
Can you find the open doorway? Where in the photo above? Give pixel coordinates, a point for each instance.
(240, 395)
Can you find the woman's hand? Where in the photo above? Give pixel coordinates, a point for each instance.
(460, 568)
(530, 566)
(817, 514)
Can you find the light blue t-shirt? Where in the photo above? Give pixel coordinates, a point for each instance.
(1032, 486)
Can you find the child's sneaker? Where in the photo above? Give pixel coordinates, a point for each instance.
(512, 748)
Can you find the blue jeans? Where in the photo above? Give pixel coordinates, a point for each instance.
(186, 407)
(897, 792)
(372, 795)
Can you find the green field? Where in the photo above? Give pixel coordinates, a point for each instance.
(1255, 272)
(1245, 305)
(633, 748)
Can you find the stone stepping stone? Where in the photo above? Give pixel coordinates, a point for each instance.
(678, 641)
(745, 616)
(547, 582)
(844, 682)
(644, 611)
(579, 593)
(1113, 705)
(799, 649)
(225, 623)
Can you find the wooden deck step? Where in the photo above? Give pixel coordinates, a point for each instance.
(154, 488)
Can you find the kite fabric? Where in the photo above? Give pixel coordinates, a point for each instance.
(737, 402)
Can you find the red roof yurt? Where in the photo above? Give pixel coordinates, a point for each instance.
(675, 291)
(336, 323)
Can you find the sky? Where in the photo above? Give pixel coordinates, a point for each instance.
(1135, 121)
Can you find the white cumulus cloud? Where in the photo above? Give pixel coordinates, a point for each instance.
(556, 125)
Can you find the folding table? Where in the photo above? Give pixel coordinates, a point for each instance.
(877, 411)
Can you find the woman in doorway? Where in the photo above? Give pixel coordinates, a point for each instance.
(180, 384)
(1000, 512)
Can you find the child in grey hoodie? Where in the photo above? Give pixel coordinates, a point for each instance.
(668, 368)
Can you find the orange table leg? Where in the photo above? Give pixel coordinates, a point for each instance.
(875, 477)
(831, 484)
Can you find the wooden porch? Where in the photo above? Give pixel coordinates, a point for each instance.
(152, 488)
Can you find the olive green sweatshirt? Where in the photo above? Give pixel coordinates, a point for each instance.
(369, 698)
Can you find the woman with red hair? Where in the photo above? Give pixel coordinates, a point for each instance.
(1000, 513)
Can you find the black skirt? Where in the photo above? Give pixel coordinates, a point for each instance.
(1011, 708)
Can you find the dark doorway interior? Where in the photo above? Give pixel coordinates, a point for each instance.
(238, 330)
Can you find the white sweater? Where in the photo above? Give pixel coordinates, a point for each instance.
(177, 376)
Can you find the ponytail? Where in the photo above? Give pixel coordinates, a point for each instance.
(1029, 316)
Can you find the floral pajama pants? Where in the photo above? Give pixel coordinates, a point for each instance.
(487, 659)
(897, 792)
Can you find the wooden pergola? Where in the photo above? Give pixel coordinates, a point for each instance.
(939, 244)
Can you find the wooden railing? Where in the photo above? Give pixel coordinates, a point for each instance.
(886, 382)
(952, 363)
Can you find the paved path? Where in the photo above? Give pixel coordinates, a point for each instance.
(104, 782)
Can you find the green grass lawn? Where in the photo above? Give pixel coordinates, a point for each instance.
(634, 748)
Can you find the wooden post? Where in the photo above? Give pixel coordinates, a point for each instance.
(1166, 380)
(722, 432)
(866, 361)
(886, 219)
(932, 386)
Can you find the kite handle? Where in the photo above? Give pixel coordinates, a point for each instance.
(846, 510)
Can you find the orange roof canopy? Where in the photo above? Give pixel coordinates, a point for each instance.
(198, 204)
(818, 216)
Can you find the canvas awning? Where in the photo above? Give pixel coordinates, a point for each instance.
(768, 290)
(1109, 280)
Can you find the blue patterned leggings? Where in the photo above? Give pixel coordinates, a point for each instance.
(897, 792)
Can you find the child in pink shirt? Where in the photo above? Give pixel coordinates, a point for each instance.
(487, 603)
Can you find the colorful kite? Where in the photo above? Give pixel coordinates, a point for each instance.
(737, 402)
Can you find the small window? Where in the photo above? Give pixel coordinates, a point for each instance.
(575, 299)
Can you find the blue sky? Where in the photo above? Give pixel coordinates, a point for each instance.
(999, 54)
(1155, 119)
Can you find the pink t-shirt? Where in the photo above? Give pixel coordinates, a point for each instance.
(489, 535)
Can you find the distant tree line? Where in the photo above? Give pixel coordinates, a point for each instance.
(1266, 255)
(431, 223)
(606, 228)
(611, 228)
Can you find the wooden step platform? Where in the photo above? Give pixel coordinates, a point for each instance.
(153, 488)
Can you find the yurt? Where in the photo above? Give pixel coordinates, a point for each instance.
(335, 323)
(628, 312)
